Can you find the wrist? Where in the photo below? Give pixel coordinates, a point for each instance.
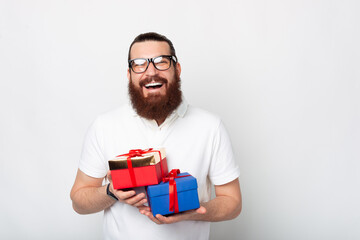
(110, 194)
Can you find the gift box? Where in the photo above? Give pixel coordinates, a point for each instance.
(177, 193)
(138, 168)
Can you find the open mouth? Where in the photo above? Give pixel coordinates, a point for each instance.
(153, 85)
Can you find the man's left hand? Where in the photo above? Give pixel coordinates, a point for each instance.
(160, 219)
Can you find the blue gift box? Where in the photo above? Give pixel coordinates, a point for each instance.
(187, 196)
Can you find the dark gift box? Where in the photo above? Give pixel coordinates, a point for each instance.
(138, 168)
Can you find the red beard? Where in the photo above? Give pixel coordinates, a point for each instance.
(156, 107)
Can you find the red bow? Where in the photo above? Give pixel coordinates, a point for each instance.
(173, 199)
(138, 153)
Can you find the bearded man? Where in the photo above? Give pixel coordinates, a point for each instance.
(158, 116)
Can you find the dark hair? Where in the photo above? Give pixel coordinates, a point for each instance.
(152, 36)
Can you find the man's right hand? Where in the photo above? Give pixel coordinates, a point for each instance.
(129, 197)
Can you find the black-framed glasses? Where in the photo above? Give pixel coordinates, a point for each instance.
(162, 63)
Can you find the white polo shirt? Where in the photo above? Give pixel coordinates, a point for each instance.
(195, 142)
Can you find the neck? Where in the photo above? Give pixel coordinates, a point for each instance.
(160, 121)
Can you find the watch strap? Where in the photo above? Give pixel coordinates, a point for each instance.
(110, 193)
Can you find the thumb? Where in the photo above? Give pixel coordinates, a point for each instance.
(109, 176)
(201, 210)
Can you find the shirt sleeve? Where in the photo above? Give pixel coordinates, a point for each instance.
(223, 168)
(92, 160)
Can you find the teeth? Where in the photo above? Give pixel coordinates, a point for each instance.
(153, 84)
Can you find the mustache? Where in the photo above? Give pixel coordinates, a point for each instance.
(151, 79)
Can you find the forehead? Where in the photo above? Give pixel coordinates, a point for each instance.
(149, 49)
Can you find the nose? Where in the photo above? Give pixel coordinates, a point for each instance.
(151, 70)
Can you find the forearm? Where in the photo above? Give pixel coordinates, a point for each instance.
(91, 200)
(220, 208)
(225, 206)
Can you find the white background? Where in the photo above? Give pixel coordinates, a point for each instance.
(283, 76)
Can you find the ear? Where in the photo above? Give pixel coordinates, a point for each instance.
(178, 68)
(128, 74)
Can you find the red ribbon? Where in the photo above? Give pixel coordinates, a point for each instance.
(173, 199)
(139, 153)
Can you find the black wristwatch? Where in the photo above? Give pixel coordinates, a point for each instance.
(110, 193)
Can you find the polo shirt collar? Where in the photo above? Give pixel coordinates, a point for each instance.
(182, 108)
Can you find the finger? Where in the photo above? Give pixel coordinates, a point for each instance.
(109, 176)
(123, 195)
(136, 199)
(161, 218)
(140, 203)
(152, 218)
(144, 211)
(145, 208)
